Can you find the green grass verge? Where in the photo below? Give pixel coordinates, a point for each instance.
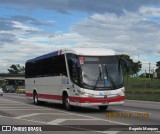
(144, 97)
(143, 90)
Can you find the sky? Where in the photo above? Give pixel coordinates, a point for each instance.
(29, 28)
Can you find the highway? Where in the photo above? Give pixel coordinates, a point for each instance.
(15, 109)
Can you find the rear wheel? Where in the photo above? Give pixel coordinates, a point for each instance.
(102, 108)
(66, 102)
(35, 98)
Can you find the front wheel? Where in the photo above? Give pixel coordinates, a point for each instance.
(66, 103)
(35, 99)
(102, 108)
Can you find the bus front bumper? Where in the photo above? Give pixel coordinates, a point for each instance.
(88, 101)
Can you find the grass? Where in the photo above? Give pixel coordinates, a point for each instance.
(142, 89)
(146, 97)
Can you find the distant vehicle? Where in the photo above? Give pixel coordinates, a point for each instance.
(1, 92)
(20, 90)
(76, 77)
(10, 89)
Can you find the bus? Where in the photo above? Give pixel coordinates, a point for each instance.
(82, 77)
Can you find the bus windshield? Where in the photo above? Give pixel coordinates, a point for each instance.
(101, 72)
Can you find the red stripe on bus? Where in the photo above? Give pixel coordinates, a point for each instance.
(95, 100)
(46, 96)
(79, 99)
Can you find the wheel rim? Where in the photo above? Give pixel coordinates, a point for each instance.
(36, 99)
(67, 103)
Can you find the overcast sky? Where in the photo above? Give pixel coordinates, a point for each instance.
(29, 28)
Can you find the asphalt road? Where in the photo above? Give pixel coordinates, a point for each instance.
(15, 109)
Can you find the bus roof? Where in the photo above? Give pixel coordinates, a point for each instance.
(77, 51)
(91, 51)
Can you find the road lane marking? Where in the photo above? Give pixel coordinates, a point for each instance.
(24, 109)
(34, 114)
(130, 111)
(45, 108)
(91, 117)
(27, 115)
(110, 121)
(45, 123)
(11, 104)
(58, 121)
(17, 107)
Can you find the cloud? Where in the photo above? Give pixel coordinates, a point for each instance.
(13, 28)
(5, 24)
(7, 38)
(91, 6)
(29, 20)
(111, 24)
(130, 33)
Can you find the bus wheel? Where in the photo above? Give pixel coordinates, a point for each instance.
(66, 103)
(35, 98)
(102, 108)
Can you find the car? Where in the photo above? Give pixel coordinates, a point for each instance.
(1, 92)
(20, 90)
(10, 89)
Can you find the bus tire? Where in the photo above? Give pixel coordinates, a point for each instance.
(66, 103)
(102, 108)
(35, 98)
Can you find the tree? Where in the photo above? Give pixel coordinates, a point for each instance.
(158, 69)
(135, 67)
(146, 75)
(16, 69)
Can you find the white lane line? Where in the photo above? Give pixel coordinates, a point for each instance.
(105, 120)
(131, 111)
(12, 104)
(58, 121)
(45, 123)
(27, 115)
(16, 107)
(91, 117)
(34, 114)
(45, 108)
(24, 109)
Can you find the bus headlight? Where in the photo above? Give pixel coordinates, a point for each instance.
(80, 92)
(123, 90)
(89, 95)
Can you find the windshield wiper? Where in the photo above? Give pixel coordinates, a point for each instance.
(110, 77)
(100, 73)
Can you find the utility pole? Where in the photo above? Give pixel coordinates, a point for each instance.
(145, 78)
(149, 68)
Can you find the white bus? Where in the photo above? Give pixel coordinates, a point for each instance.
(76, 77)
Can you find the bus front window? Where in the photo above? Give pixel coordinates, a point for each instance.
(101, 73)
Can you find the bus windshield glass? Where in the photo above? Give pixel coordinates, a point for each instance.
(101, 72)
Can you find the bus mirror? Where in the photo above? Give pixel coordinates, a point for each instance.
(126, 63)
